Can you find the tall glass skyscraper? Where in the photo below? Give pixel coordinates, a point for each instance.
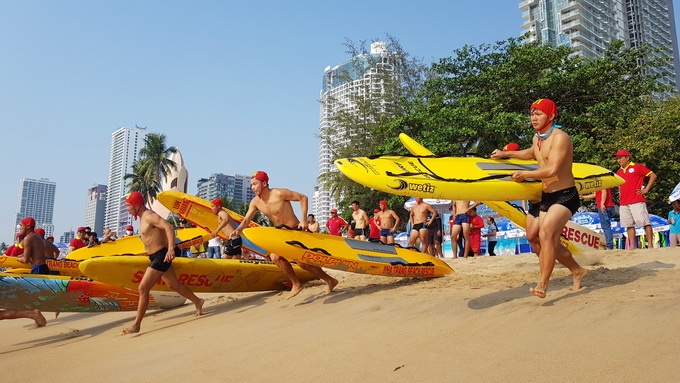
(36, 200)
(125, 146)
(340, 84)
(588, 26)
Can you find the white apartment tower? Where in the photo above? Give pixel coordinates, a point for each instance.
(589, 26)
(125, 146)
(36, 200)
(340, 84)
(95, 208)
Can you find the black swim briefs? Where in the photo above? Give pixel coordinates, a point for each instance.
(419, 226)
(565, 197)
(363, 231)
(233, 246)
(158, 259)
(535, 209)
(40, 269)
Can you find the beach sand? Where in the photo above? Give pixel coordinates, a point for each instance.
(479, 324)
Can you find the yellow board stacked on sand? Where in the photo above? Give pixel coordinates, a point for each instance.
(346, 254)
(65, 267)
(585, 238)
(198, 274)
(462, 178)
(132, 245)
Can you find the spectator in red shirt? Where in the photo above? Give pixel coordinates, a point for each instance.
(374, 235)
(336, 225)
(633, 204)
(476, 225)
(16, 249)
(78, 242)
(605, 209)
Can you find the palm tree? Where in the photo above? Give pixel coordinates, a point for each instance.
(153, 166)
(142, 180)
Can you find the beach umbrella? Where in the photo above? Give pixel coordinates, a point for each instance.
(675, 194)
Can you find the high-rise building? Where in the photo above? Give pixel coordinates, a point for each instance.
(67, 236)
(36, 200)
(125, 146)
(236, 187)
(95, 208)
(340, 87)
(589, 26)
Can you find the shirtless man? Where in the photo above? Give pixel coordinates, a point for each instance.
(420, 223)
(312, 224)
(232, 246)
(461, 224)
(275, 204)
(553, 150)
(34, 247)
(361, 229)
(158, 237)
(389, 220)
(51, 251)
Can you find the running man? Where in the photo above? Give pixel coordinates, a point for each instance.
(276, 205)
(389, 220)
(419, 222)
(158, 237)
(553, 150)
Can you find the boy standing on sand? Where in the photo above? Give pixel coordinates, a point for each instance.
(158, 237)
(275, 204)
(553, 150)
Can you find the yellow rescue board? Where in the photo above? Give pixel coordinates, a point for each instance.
(462, 178)
(198, 274)
(585, 238)
(348, 254)
(132, 245)
(64, 267)
(199, 212)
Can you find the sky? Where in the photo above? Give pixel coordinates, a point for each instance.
(233, 85)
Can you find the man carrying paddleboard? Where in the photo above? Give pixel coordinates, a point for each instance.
(553, 150)
(158, 237)
(275, 204)
(232, 247)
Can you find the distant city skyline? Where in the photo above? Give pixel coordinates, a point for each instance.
(36, 200)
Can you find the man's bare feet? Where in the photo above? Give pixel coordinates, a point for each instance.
(537, 292)
(199, 307)
(131, 330)
(331, 285)
(578, 277)
(39, 319)
(295, 290)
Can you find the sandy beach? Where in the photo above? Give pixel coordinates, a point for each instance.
(479, 324)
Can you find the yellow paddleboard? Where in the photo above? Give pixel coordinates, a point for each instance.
(198, 274)
(132, 245)
(69, 294)
(462, 178)
(348, 254)
(584, 238)
(64, 267)
(199, 212)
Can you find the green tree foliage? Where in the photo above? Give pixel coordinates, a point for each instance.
(152, 167)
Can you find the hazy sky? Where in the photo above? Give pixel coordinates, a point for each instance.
(234, 86)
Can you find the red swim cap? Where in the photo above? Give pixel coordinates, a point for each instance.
(217, 202)
(376, 210)
(40, 231)
(260, 175)
(545, 105)
(383, 203)
(51, 236)
(334, 210)
(129, 227)
(135, 199)
(28, 221)
(511, 147)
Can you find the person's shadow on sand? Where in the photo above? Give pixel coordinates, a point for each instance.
(597, 279)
